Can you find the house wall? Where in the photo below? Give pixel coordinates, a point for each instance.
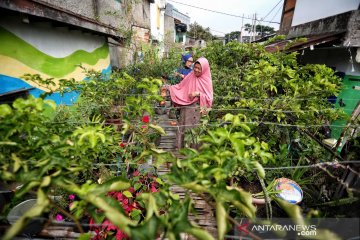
(137, 17)
(310, 10)
(48, 50)
(157, 20)
(169, 32)
(333, 57)
(53, 37)
(109, 12)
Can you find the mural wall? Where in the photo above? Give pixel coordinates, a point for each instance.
(49, 50)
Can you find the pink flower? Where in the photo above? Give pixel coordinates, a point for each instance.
(146, 119)
(153, 189)
(136, 173)
(59, 217)
(131, 189)
(71, 196)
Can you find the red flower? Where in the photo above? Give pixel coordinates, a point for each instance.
(131, 189)
(146, 119)
(153, 189)
(122, 144)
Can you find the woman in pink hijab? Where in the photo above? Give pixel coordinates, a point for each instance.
(194, 90)
(196, 86)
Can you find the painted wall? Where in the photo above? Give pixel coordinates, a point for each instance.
(52, 52)
(310, 10)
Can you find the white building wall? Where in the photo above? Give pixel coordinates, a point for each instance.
(157, 18)
(311, 10)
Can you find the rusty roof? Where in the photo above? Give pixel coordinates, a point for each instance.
(311, 40)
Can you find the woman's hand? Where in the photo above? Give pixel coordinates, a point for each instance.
(194, 94)
(180, 75)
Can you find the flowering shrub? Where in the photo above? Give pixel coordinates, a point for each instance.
(134, 209)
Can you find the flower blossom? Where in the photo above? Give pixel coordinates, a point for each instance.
(146, 119)
(59, 217)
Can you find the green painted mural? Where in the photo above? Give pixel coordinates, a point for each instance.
(19, 56)
(16, 48)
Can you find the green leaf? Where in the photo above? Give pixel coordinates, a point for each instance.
(137, 186)
(114, 184)
(238, 146)
(45, 181)
(228, 117)
(85, 236)
(221, 219)
(17, 162)
(5, 110)
(26, 188)
(127, 194)
(199, 233)
(148, 229)
(195, 187)
(135, 214)
(265, 146)
(245, 127)
(158, 180)
(236, 121)
(158, 129)
(8, 143)
(260, 170)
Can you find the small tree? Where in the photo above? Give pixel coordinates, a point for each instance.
(198, 32)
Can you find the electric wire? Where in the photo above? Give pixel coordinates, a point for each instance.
(275, 14)
(209, 10)
(270, 11)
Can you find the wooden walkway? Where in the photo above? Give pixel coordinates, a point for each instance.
(205, 215)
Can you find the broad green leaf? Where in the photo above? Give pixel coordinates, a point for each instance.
(238, 146)
(236, 121)
(220, 219)
(127, 194)
(158, 129)
(228, 117)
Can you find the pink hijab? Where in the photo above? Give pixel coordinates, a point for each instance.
(180, 92)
